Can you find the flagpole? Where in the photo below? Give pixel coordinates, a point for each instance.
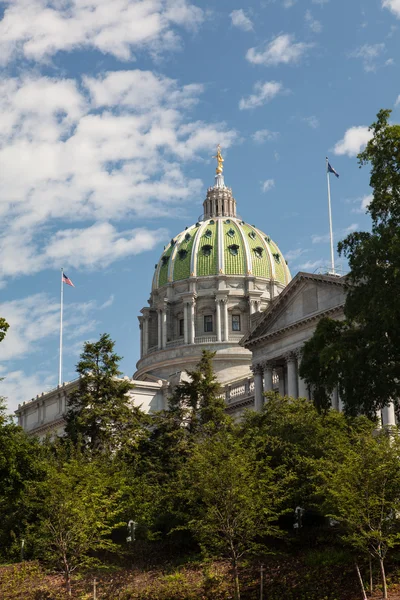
(61, 328)
(330, 219)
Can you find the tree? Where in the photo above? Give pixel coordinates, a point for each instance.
(232, 499)
(78, 506)
(199, 402)
(362, 490)
(100, 415)
(362, 354)
(3, 328)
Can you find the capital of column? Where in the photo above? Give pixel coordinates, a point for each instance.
(257, 368)
(268, 365)
(291, 357)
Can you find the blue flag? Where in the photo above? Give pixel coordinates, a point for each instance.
(332, 170)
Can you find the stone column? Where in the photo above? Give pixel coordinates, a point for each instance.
(292, 375)
(389, 417)
(335, 399)
(218, 319)
(145, 334)
(141, 336)
(164, 327)
(185, 323)
(159, 322)
(268, 383)
(191, 323)
(258, 388)
(226, 324)
(301, 384)
(281, 375)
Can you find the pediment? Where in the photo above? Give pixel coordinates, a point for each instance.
(306, 296)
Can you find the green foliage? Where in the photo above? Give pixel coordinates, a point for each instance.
(198, 402)
(3, 328)
(232, 500)
(77, 506)
(100, 416)
(362, 493)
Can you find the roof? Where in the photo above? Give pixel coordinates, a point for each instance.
(221, 246)
(279, 303)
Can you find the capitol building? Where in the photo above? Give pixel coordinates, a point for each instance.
(222, 285)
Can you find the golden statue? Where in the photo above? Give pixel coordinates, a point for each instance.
(220, 160)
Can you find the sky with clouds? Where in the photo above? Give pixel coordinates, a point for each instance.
(109, 116)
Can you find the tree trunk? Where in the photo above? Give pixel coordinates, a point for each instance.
(361, 582)
(371, 582)
(236, 580)
(68, 583)
(383, 578)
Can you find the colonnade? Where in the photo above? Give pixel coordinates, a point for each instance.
(289, 381)
(291, 384)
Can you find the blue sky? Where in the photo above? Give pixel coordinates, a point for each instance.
(109, 116)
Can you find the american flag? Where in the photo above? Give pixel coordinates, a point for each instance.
(67, 280)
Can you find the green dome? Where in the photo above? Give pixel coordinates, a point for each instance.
(221, 246)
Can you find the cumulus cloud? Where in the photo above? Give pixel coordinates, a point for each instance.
(263, 93)
(241, 20)
(294, 254)
(267, 185)
(393, 6)
(38, 29)
(368, 53)
(363, 202)
(354, 139)
(264, 135)
(103, 149)
(312, 23)
(281, 50)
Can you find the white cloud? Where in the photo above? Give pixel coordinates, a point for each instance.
(311, 266)
(105, 149)
(364, 202)
(354, 139)
(318, 239)
(38, 29)
(313, 24)
(18, 387)
(293, 254)
(263, 93)
(100, 245)
(37, 318)
(368, 53)
(264, 135)
(267, 185)
(241, 20)
(312, 121)
(281, 50)
(392, 5)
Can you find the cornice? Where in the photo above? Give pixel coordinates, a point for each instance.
(296, 325)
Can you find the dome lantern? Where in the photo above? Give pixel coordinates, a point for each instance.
(219, 201)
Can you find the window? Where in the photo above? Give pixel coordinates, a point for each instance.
(231, 232)
(208, 233)
(165, 260)
(258, 252)
(235, 322)
(233, 249)
(181, 327)
(182, 254)
(206, 249)
(187, 237)
(252, 235)
(208, 323)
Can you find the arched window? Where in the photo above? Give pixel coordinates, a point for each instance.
(258, 251)
(233, 249)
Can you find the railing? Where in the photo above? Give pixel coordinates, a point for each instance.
(205, 339)
(239, 390)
